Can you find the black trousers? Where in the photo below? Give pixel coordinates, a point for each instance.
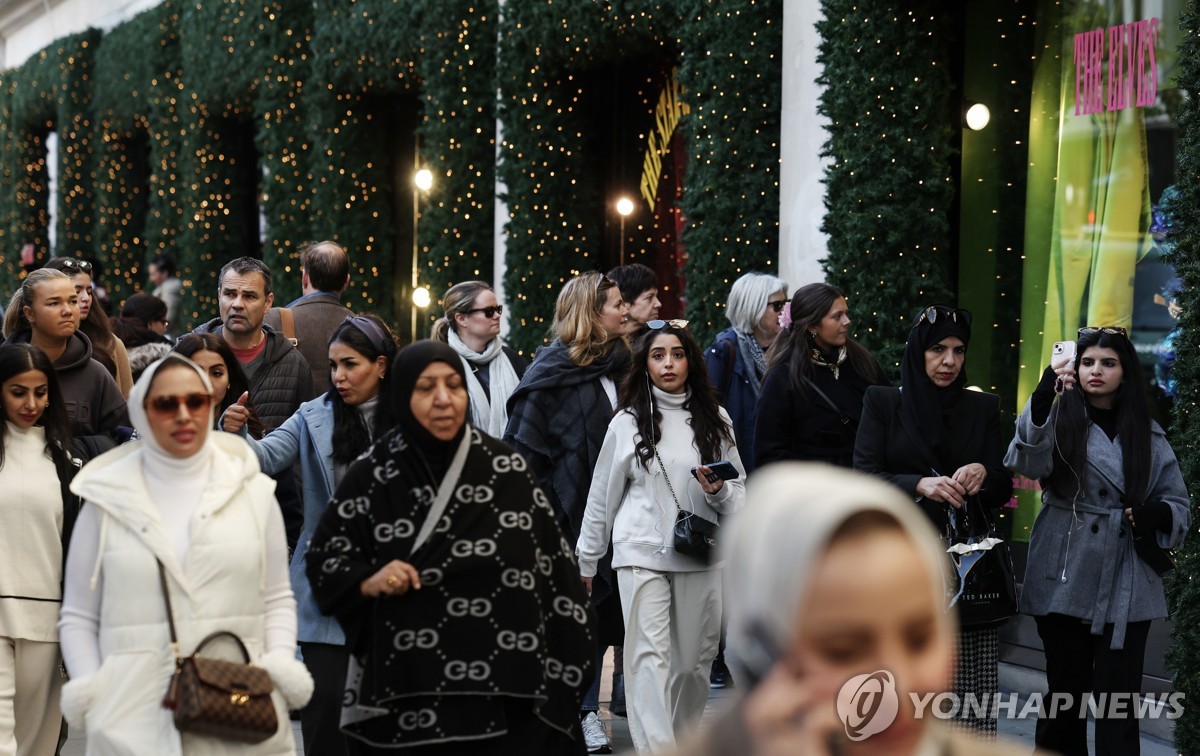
(1080, 663)
(319, 719)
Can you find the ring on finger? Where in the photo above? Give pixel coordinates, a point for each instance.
(392, 580)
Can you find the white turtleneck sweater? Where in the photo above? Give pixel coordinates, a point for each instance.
(31, 521)
(633, 506)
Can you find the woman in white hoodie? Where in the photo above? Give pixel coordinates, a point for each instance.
(654, 464)
(195, 502)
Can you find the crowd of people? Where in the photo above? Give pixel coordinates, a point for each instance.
(430, 549)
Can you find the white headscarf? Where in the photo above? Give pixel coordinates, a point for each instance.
(772, 546)
(155, 454)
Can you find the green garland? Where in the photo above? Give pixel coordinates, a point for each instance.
(730, 72)
(889, 188)
(1183, 590)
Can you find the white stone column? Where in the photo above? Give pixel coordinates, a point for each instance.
(801, 194)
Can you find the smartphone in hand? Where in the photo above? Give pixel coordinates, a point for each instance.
(1061, 350)
(720, 471)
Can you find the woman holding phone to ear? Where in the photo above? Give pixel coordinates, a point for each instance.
(669, 424)
(1109, 477)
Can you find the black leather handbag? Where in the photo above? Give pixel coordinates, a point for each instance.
(692, 535)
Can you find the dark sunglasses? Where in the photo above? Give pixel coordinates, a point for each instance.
(488, 312)
(654, 325)
(1110, 330)
(71, 263)
(934, 313)
(169, 404)
(777, 306)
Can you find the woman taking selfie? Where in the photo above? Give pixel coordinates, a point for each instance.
(941, 445)
(468, 629)
(191, 504)
(36, 518)
(559, 417)
(832, 575)
(325, 435)
(44, 312)
(1113, 498)
(812, 394)
(653, 466)
(471, 326)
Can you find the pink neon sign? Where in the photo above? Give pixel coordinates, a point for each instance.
(1131, 77)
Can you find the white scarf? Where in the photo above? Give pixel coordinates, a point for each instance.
(489, 416)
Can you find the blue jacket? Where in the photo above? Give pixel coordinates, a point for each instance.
(741, 400)
(307, 437)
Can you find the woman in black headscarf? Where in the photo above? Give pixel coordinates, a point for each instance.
(941, 444)
(469, 629)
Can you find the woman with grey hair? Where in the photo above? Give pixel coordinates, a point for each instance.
(831, 575)
(737, 360)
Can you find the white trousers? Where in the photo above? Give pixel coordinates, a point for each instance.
(672, 629)
(29, 686)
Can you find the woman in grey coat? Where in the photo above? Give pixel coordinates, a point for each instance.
(1109, 477)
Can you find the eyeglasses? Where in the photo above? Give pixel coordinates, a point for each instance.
(934, 313)
(777, 306)
(169, 404)
(71, 263)
(654, 325)
(1110, 330)
(488, 312)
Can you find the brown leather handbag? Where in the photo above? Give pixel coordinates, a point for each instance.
(220, 699)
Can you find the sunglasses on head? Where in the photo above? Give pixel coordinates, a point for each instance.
(488, 312)
(654, 325)
(777, 306)
(934, 313)
(168, 404)
(1110, 330)
(71, 263)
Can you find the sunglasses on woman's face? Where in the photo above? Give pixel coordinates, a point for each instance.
(488, 312)
(777, 306)
(168, 404)
(1110, 330)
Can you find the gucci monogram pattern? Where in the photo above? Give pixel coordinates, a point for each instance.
(501, 611)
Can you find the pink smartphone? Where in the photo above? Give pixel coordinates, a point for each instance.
(1062, 349)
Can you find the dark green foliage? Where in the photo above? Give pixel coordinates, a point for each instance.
(730, 72)
(889, 189)
(1183, 590)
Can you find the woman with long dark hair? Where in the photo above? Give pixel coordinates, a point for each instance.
(35, 528)
(107, 349)
(653, 465)
(558, 418)
(812, 394)
(941, 445)
(1113, 498)
(325, 435)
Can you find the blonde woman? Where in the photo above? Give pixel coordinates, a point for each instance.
(559, 417)
(471, 326)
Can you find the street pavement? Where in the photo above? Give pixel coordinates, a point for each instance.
(1017, 730)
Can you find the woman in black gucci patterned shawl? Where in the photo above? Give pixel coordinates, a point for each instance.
(468, 627)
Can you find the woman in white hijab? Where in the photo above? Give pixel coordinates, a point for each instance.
(195, 502)
(830, 575)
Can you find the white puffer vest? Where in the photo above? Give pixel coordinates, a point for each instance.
(220, 588)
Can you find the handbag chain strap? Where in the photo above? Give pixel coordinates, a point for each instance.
(668, 478)
(162, 578)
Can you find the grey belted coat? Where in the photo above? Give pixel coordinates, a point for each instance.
(1083, 564)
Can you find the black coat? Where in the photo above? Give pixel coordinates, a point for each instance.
(791, 426)
(972, 435)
